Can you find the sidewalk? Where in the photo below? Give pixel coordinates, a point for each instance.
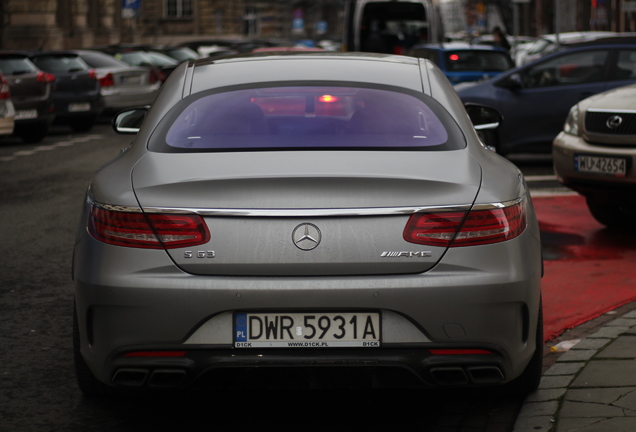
(590, 388)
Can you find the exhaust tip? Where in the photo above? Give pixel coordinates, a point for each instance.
(485, 374)
(131, 377)
(165, 378)
(449, 376)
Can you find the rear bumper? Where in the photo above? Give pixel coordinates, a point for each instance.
(137, 300)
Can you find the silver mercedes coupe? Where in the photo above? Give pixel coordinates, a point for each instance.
(319, 212)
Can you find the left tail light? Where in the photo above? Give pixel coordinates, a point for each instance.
(147, 231)
(5, 92)
(107, 80)
(461, 228)
(45, 77)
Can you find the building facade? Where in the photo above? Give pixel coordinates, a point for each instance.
(72, 24)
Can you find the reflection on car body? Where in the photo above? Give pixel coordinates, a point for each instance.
(333, 211)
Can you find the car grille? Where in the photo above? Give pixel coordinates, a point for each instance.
(597, 122)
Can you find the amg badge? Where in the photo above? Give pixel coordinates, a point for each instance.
(406, 254)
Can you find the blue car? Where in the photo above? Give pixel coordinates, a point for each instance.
(534, 100)
(463, 62)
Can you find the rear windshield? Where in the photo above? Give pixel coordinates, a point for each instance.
(16, 66)
(307, 117)
(477, 61)
(60, 64)
(98, 60)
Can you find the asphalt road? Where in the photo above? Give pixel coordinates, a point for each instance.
(41, 192)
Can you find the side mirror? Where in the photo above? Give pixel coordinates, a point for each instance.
(485, 120)
(483, 117)
(513, 82)
(129, 121)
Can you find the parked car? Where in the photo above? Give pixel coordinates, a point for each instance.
(595, 153)
(7, 110)
(76, 94)
(162, 64)
(31, 94)
(462, 62)
(535, 99)
(548, 44)
(330, 210)
(121, 85)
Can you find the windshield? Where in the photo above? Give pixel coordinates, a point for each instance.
(307, 117)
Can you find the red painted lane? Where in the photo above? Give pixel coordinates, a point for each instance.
(589, 270)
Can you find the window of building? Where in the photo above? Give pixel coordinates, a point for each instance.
(178, 8)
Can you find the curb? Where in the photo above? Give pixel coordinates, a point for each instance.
(540, 410)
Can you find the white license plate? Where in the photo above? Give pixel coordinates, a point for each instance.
(25, 114)
(79, 107)
(601, 165)
(307, 330)
(131, 80)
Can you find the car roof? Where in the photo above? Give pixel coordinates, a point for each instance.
(390, 70)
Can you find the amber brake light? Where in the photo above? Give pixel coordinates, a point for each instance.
(147, 231)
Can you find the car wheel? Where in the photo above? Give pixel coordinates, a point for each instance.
(82, 124)
(86, 381)
(610, 215)
(33, 134)
(530, 378)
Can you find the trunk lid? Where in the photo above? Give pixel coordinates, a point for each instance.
(259, 205)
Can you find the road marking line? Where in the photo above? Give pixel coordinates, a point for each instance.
(50, 147)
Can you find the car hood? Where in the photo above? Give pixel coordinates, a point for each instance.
(253, 201)
(617, 99)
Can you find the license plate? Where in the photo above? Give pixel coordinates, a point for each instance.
(78, 107)
(307, 330)
(601, 165)
(131, 80)
(25, 114)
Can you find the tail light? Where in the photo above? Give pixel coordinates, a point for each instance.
(147, 231)
(5, 93)
(45, 77)
(107, 80)
(92, 74)
(153, 77)
(461, 228)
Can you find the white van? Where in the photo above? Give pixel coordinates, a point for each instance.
(391, 26)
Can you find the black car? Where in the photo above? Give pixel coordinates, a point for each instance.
(31, 93)
(76, 94)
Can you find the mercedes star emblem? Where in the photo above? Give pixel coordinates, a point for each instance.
(306, 236)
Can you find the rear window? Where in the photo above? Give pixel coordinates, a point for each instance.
(97, 60)
(60, 64)
(16, 66)
(477, 61)
(307, 117)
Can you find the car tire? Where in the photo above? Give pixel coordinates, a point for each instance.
(86, 381)
(530, 378)
(608, 214)
(33, 134)
(83, 124)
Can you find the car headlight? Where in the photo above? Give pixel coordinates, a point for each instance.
(571, 125)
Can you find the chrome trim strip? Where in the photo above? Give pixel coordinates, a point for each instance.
(612, 111)
(336, 212)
